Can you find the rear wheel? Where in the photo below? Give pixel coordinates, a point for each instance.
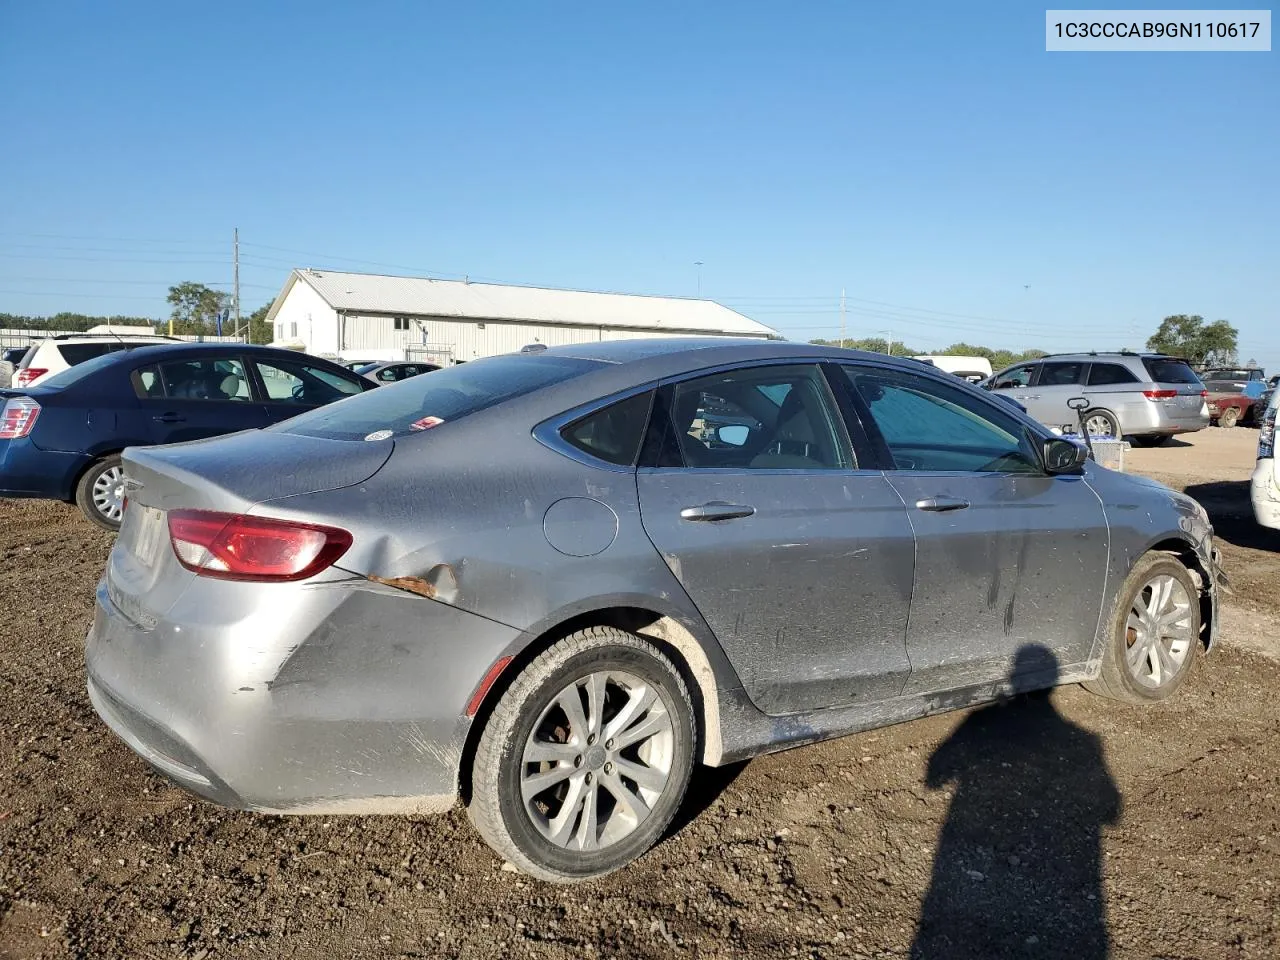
(100, 493)
(586, 758)
(1154, 633)
(1229, 417)
(1102, 423)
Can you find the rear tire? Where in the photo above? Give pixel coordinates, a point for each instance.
(1102, 423)
(574, 792)
(100, 493)
(1153, 636)
(1229, 417)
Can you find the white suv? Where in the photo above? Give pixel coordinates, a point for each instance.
(1265, 489)
(66, 350)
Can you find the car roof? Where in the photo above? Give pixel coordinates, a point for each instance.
(1105, 355)
(708, 351)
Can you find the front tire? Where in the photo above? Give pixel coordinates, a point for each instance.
(1229, 417)
(100, 493)
(1153, 634)
(585, 758)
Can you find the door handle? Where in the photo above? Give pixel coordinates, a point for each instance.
(716, 511)
(168, 418)
(942, 504)
(1026, 396)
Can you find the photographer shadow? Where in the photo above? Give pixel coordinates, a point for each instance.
(1018, 869)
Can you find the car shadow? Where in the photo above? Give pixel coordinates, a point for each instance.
(1018, 867)
(1231, 513)
(705, 787)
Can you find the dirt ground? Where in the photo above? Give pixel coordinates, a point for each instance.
(1062, 825)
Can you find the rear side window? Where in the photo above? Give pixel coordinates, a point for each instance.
(1060, 374)
(75, 353)
(449, 394)
(614, 433)
(212, 379)
(1169, 371)
(146, 382)
(1105, 374)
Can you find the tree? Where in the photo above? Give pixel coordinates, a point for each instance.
(196, 307)
(1197, 342)
(259, 330)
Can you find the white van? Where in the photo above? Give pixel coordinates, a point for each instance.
(973, 369)
(1264, 489)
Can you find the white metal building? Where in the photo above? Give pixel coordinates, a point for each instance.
(365, 316)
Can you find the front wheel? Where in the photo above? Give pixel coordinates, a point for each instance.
(1154, 633)
(1229, 417)
(100, 493)
(585, 758)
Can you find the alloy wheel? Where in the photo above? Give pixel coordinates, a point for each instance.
(597, 761)
(1158, 631)
(1099, 426)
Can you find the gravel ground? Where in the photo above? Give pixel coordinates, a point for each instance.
(1055, 825)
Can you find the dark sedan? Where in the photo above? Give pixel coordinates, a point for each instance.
(62, 440)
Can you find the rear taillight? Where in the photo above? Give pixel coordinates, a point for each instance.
(232, 546)
(18, 417)
(1204, 394)
(28, 376)
(1267, 436)
(1159, 394)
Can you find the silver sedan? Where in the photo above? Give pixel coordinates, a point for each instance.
(550, 584)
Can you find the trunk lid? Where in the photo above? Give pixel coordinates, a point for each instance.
(237, 471)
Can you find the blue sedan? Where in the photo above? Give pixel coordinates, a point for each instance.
(62, 440)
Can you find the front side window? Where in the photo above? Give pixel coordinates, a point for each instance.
(1014, 377)
(1063, 374)
(613, 434)
(210, 378)
(933, 426)
(760, 418)
(290, 381)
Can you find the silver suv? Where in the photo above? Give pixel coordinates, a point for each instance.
(1147, 397)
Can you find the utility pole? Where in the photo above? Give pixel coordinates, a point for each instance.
(842, 316)
(698, 264)
(235, 296)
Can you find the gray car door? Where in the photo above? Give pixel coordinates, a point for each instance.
(1058, 383)
(800, 561)
(1018, 383)
(1006, 555)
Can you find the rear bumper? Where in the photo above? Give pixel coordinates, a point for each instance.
(340, 697)
(1264, 491)
(28, 471)
(1157, 418)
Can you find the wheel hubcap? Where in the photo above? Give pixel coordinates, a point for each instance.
(597, 761)
(108, 493)
(1098, 427)
(1158, 632)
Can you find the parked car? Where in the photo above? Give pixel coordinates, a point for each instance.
(55, 354)
(1147, 397)
(62, 439)
(9, 360)
(973, 369)
(1264, 489)
(1250, 381)
(1228, 409)
(394, 371)
(526, 583)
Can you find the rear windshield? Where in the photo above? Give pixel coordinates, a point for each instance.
(80, 371)
(1228, 374)
(419, 403)
(1169, 371)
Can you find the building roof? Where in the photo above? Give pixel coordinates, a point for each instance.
(425, 297)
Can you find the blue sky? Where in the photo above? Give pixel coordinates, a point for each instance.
(932, 159)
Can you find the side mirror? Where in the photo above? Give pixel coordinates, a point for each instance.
(1064, 456)
(734, 434)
